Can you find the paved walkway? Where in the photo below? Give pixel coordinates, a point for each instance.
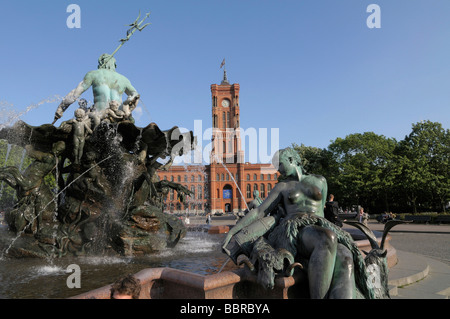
(415, 276)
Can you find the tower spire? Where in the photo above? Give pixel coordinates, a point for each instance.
(225, 79)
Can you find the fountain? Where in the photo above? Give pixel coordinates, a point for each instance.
(108, 207)
(108, 198)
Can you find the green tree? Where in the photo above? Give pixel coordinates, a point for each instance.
(365, 165)
(314, 160)
(424, 171)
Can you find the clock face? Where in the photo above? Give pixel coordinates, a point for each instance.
(225, 103)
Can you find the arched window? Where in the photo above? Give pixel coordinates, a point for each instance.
(185, 178)
(262, 191)
(199, 178)
(223, 178)
(192, 178)
(217, 177)
(269, 188)
(248, 177)
(249, 191)
(179, 178)
(262, 177)
(255, 177)
(171, 178)
(255, 187)
(199, 191)
(193, 191)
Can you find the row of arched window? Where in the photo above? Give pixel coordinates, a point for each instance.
(197, 192)
(179, 206)
(262, 177)
(261, 189)
(226, 177)
(249, 192)
(193, 179)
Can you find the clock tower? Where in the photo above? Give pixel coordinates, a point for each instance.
(227, 157)
(226, 138)
(228, 183)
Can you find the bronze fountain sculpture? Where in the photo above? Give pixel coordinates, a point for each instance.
(108, 197)
(288, 231)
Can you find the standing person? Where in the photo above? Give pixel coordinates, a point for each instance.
(362, 216)
(331, 211)
(127, 287)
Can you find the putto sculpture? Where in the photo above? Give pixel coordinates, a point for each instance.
(288, 230)
(106, 195)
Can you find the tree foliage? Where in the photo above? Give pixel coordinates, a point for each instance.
(383, 174)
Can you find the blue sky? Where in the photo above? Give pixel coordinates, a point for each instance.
(312, 68)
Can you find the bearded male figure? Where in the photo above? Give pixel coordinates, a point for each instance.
(107, 85)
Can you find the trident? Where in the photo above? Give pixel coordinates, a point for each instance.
(134, 26)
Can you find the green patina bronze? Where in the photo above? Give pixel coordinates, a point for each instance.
(108, 197)
(288, 231)
(107, 84)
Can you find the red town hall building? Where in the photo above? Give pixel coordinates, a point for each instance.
(226, 185)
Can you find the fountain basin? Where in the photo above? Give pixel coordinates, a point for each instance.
(218, 229)
(240, 283)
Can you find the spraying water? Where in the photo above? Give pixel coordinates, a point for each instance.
(8, 115)
(240, 192)
(228, 259)
(56, 196)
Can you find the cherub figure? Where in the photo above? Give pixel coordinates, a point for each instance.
(113, 113)
(83, 105)
(129, 106)
(80, 129)
(110, 114)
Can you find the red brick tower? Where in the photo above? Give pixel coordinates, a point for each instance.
(226, 156)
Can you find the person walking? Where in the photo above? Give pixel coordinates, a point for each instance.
(331, 211)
